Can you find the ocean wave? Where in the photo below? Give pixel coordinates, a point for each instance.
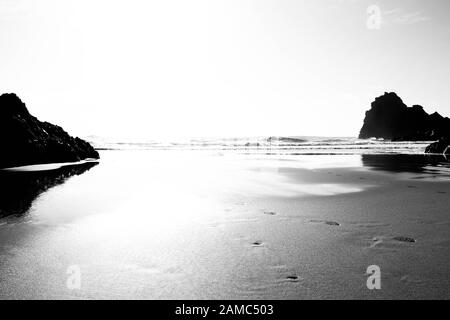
(281, 144)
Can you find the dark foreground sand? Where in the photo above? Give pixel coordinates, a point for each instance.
(163, 224)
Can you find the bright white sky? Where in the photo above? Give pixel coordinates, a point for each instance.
(153, 69)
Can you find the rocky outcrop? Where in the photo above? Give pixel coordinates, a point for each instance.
(25, 140)
(440, 147)
(390, 118)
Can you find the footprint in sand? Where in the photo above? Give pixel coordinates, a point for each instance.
(286, 274)
(404, 239)
(330, 223)
(292, 278)
(257, 243)
(376, 241)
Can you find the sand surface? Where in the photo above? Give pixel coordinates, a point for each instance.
(205, 225)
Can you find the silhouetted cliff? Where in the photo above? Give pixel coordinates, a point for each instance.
(25, 140)
(390, 118)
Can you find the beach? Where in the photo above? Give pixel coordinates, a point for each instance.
(216, 224)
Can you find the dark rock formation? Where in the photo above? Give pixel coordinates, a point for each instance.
(19, 189)
(390, 118)
(25, 140)
(442, 147)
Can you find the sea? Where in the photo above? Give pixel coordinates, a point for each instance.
(268, 144)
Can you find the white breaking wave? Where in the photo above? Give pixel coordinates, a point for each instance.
(273, 144)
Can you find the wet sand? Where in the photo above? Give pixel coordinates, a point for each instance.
(205, 225)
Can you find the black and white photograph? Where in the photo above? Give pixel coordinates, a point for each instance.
(224, 150)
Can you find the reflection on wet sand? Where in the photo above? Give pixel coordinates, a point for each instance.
(416, 163)
(190, 224)
(18, 189)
